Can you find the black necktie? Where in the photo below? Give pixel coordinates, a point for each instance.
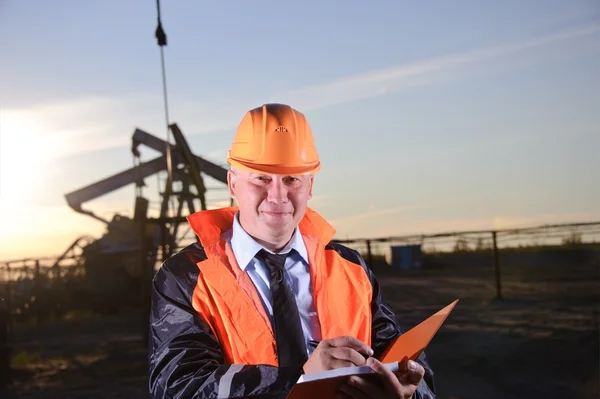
(291, 347)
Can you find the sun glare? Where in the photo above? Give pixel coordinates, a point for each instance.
(25, 153)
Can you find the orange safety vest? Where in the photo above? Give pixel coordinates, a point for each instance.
(227, 300)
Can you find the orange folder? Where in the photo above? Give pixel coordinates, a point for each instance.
(409, 345)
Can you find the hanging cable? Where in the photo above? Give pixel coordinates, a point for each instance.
(161, 38)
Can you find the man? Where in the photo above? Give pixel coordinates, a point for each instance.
(264, 296)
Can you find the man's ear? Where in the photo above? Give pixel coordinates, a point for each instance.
(231, 180)
(310, 187)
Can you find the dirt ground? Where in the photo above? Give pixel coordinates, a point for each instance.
(541, 340)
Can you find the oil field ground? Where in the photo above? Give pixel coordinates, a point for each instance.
(541, 340)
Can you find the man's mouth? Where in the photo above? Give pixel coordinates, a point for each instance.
(276, 213)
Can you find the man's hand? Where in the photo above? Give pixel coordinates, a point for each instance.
(400, 385)
(344, 351)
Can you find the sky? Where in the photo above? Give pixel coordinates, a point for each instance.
(428, 117)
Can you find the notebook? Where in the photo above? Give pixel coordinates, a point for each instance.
(409, 345)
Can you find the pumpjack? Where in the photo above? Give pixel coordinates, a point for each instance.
(122, 260)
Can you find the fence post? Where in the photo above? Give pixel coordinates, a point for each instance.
(4, 348)
(369, 255)
(496, 266)
(8, 297)
(38, 293)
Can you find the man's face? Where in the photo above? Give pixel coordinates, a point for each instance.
(271, 206)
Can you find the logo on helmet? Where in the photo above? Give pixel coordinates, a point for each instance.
(281, 129)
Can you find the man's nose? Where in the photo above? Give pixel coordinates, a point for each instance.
(277, 192)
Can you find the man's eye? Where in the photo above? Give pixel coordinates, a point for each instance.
(292, 180)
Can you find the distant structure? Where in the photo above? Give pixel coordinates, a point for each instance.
(123, 259)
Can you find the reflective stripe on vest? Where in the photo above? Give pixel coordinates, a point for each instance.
(229, 303)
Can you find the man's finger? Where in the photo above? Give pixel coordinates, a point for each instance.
(348, 354)
(416, 372)
(413, 373)
(389, 378)
(351, 342)
(337, 363)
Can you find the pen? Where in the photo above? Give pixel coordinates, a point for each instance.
(314, 345)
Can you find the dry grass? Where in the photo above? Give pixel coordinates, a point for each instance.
(540, 341)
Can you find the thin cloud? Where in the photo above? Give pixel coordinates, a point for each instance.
(83, 124)
(510, 222)
(373, 214)
(217, 156)
(390, 227)
(322, 199)
(387, 80)
(89, 124)
(96, 123)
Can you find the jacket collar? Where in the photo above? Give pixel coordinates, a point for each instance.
(209, 225)
(245, 247)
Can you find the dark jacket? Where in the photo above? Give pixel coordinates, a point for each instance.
(185, 357)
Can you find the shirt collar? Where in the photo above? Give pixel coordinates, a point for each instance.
(245, 247)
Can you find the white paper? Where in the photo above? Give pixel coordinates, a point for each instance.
(345, 371)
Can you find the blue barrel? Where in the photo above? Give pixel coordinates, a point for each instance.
(405, 257)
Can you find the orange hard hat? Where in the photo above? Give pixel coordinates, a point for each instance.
(274, 139)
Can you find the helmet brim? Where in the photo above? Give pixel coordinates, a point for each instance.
(274, 169)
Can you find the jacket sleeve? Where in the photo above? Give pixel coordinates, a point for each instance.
(185, 358)
(385, 327)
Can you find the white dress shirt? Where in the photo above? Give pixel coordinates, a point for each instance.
(297, 274)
